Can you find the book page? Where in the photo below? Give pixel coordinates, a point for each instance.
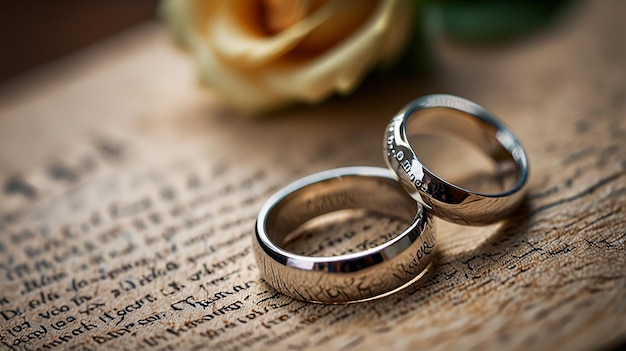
(129, 197)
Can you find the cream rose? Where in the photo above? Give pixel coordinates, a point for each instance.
(263, 54)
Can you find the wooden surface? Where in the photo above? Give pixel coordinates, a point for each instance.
(129, 197)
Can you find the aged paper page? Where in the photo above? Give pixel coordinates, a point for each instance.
(129, 197)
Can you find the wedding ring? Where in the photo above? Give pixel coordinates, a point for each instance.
(354, 276)
(444, 115)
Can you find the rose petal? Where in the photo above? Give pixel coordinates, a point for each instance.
(177, 14)
(346, 16)
(339, 69)
(233, 85)
(250, 49)
(278, 15)
(399, 31)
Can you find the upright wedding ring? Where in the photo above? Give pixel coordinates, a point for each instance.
(443, 115)
(347, 277)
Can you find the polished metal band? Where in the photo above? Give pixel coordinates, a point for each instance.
(348, 277)
(446, 114)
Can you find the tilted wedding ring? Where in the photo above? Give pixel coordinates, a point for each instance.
(348, 277)
(446, 114)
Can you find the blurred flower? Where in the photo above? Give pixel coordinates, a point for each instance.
(264, 54)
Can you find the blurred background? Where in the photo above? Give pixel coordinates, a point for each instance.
(35, 32)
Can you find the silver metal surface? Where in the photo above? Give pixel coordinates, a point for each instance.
(451, 115)
(349, 277)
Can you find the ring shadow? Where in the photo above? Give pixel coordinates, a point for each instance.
(449, 272)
